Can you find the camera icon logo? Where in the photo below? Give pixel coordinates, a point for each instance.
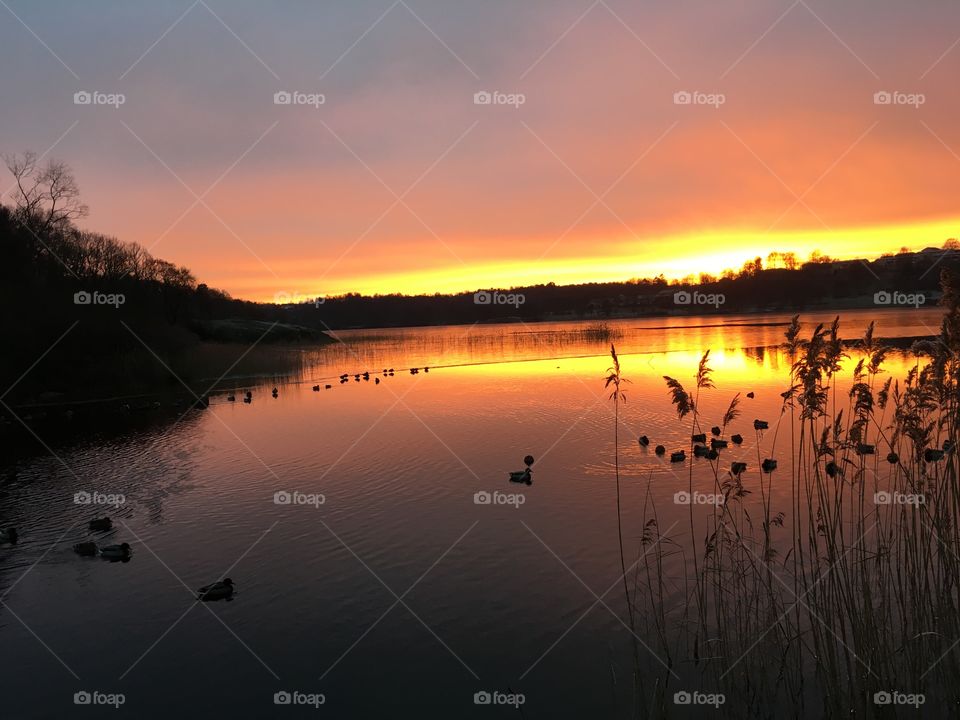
(82, 298)
(82, 97)
(882, 498)
(282, 698)
(882, 97)
(682, 97)
(682, 297)
(482, 498)
(82, 698)
(282, 97)
(482, 298)
(482, 98)
(882, 698)
(682, 698)
(82, 498)
(282, 497)
(482, 698)
(882, 298)
(681, 498)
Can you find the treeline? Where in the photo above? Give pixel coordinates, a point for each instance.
(83, 308)
(791, 287)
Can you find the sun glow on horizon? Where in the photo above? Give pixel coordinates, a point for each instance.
(675, 257)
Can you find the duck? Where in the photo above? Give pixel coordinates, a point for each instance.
(276, 392)
(104, 523)
(750, 395)
(832, 469)
(248, 400)
(769, 465)
(717, 443)
(87, 549)
(715, 431)
(678, 456)
(761, 425)
(316, 388)
(116, 552)
(893, 458)
(366, 376)
(864, 449)
(699, 438)
(9, 536)
(523, 476)
(376, 381)
(660, 450)
(643, 440)
(700, 451)
(327, 387)
(737, 439)
(221, 590)
(737, 468)
(426, 369)
(231, 398)
(932, 455)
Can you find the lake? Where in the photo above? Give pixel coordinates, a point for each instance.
(382, 560)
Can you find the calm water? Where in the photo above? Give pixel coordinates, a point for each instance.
(398, 593)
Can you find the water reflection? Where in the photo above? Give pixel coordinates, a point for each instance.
(500, 595)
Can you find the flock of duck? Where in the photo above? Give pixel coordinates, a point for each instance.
(711, 450)
(220, 590)
(344, 378)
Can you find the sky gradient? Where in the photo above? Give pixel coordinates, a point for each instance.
(400, 182)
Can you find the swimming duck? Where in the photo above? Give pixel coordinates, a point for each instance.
(643, 440)
(716, 443)
(678, 456)
(699, 438)
(316, 388)
(700, 451)
(231, 398)
(85, 548)
(864, 449)
(659, 449)
(276, 392)
(116, 552)
(932, 455)
(327, 387)
(750, 395)
(737, 439)
(426, 369)
(8, 536)
(101, 523)
(769, 465)
(376, 381)
(217, 591)
(715, 430)
(893, 458)
(761, 425)
(737, 468)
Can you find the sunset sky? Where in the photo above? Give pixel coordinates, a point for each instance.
(400, 182)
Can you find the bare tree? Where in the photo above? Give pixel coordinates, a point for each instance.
(47, 196)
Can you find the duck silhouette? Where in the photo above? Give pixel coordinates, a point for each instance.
(221, 590)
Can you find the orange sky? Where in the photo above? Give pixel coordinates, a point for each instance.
(598, 175)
